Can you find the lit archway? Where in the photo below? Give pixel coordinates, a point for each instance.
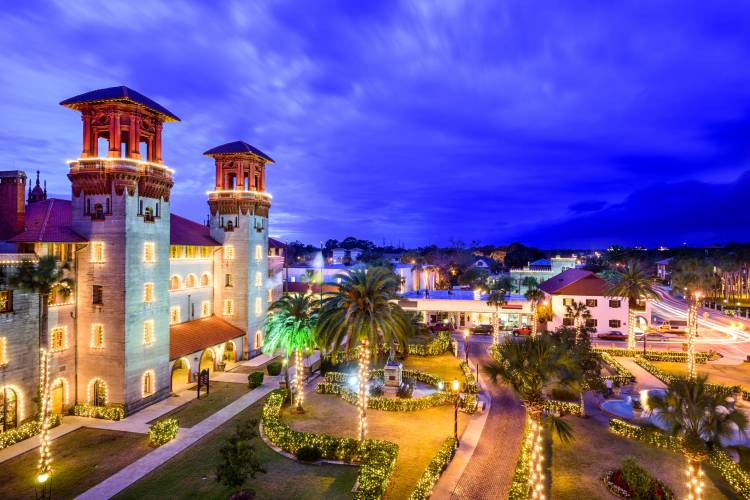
(11, 409)
(208, 359)
(258, 340)
(60, 393)
(97, 393)
(180, 374)
(230, 352)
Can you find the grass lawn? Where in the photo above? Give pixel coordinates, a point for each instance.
(444, 365)
(221, 394)
(717, 374)
(577, 467)
(191, 474)
(418, 434)
(80, 460)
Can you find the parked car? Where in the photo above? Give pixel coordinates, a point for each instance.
(524, 330)
(440, 327)
(482, 329)
(613, 335)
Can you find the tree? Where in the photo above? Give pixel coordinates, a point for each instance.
(534, 296)
(530, 368)
(290, 326)
(239, 458)
(698, 418)
(579, 313)
(634, 284)
(691, 278)
(363, 315)
(584, 357)
(475, 277)
(496, 299)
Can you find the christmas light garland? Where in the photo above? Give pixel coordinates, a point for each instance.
(437, 465)
(45, 459)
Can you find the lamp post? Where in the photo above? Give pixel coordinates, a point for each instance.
(466, 344)
(455, 387)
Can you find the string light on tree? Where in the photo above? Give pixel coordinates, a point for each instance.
(692, 320)
(695, 481)
(44, 470)
(536, 473)
(364, 377)
(298, 371)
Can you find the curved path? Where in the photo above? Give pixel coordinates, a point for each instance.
(489, 473)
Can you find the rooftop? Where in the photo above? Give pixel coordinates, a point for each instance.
(575, 282)
(458, 295)
(192, 336)
(186, 232)
(48, 221)
(119, 94)
(238, 147)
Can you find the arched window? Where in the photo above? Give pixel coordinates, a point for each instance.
(174, 282)
(205, 279)
(8, 409)
(258, 339)
(148, 383)
(98, 392)
(191, 281)
(98, 211)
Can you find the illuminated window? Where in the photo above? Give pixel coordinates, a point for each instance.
(258, 279)
(229, 252)
(148, 383)
(205, 308)
(258, 252)
(228, 280)
(270, 295)
(175, 252)
(148, 292)
(6, 301)
(205, 252)
(191, 252)
(614, 323)
(258, 339)
(97, 392)
(174, 315)
(3, 351)
(97, 336)
(191, 281)
(258, 306)
(228, 307)
(175, 282)
(205, 279)
(97, 251)
(58, 338)
(149, 252)
(148, 332)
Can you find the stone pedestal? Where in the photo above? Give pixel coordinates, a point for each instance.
(392, 373)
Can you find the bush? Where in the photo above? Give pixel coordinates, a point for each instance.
(114, 412)
(25, 431)
(163, 431)
(564, 394)
(437, 465)
(273, 368)
(239, 458)
(308, 454)
(637, 479)
(254, 379)
(376, 388)
(406, 389)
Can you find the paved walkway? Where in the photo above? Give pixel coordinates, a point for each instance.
(490, 470)
(643, 379)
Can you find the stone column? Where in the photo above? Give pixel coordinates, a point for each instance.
(135, 137)
(157, 144)
(86, 151)
(114, 135)
(219, 178)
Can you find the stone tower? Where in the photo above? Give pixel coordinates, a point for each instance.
(120, 204)
(239, 221)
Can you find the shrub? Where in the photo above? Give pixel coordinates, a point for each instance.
(238, 457)
(519, 487)
(471, 379)
(376, 388)
(114, 412)
(564, 394)
(637, 479)
(25, 431)
(273, 368)
(254, 379)
(163, 431)
(719, 389)
(308, 454)
(437, 465)
(406, 389)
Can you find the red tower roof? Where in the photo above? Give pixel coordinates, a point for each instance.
(237, 147)
(120, 94)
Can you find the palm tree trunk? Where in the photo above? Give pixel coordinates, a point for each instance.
(43, 320)
(298, 369)
(631, 326)
(692, 332)
(583, 403)
(534, 319)
(364, 377)
(286, 374)
(535, 444)
(695, 479)
(495, 328)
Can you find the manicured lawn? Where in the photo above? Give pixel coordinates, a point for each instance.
(80, 460)
(445, 365)
(418, 434)
(577, 468)
(717, 374)
(191, 474)
(221, 394)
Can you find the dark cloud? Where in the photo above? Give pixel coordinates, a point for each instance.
(587, 206)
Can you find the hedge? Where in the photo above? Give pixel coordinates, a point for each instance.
(439, 398)
(25, 431)
(424, 377)
(731, 472)
(622, 376)
(562, 407)
(435, 347)
(723, 390)
(432, 472)
(471, 379)
(114, 412)
(519, 487)
(657, 355)
(163, 431)
(377, 458)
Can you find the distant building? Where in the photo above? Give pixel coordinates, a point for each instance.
(662, 269)
(541, 270)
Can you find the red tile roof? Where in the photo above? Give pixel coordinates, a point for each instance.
(186, 232)
(274, 243)
(575, 282)
(193, 336)
(48, 221)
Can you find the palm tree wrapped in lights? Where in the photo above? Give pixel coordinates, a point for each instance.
(497, 299)
(362, 315)
(530, 368)
(534, 296)
(290, 326)
(634, 284)
(580, 314)
(698, 418)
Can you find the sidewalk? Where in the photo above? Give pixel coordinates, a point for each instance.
(643, 379)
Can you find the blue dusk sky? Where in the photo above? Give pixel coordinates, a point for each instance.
(559, 124)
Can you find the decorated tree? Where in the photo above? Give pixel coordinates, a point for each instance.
(580, 314)
(239, 459)
(496, 299)
(290, 326)
(362, 315)
(534, 296)
(634, 284)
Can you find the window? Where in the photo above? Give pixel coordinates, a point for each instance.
(149, 252)
(258, 252)
(175, 282)
(205, 309)
(148, 383)
(97, 336)
(191, 281)
(205, 279)
(58, 338)
(258, 279)
(228, 307)
(258, 339)
(148, 332)
(205, 252)
(591, 323)
(227, 280)
(174, 315)
(615, 323)
(98, 392)
(97, 295)
(148, 292)
(8, 409)
(6, 301)
(97, 251)
(591, 302)
(614, 303)
(175, 252)
(3, 351)
(258, 306)
(229, 252)
(568, 321)
(270, 295)
(568, 302)
(191, 252)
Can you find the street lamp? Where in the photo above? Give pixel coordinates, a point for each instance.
(455, 387)
(466, 344)
(44, 487)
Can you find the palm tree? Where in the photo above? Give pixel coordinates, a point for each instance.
(362, 315)
(579, 313)
(290, 326)
(698, 418)
(534, 296)
(634, 284)
(691, 278)
(496, 299)
(530, 368)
